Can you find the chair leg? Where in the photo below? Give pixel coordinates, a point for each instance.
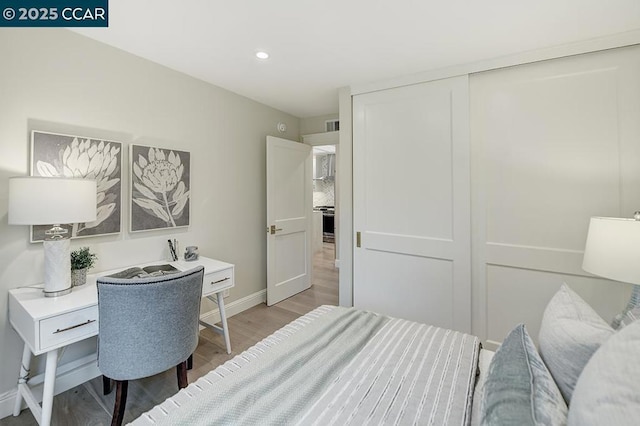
(190, 362)
(181, 369)
(107, 385)
(121, 402)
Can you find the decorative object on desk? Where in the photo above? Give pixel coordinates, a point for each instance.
(160, 188)
(57, 155)
(81, 260)
(43, 200)
(191, 253)
(612, 252)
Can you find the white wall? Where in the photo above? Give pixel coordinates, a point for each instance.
(56, 80)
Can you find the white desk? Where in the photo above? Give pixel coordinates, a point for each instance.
(48, 324)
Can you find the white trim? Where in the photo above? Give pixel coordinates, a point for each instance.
(586, 46)
(235, 307)
(491, 345)
(6, 402)
(326, 138)
(344, 180)
(69, 376)
(336, 263)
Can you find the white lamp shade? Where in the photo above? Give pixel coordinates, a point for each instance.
(613, 249)
(45, 200)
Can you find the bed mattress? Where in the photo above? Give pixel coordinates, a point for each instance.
(336, 366)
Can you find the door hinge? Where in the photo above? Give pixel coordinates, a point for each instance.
(358, 239)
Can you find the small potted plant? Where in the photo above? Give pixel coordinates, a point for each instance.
(81, 260)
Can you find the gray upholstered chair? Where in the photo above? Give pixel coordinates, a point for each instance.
(147, 326)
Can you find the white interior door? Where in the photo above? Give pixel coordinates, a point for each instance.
(289, 209)
(411, 203)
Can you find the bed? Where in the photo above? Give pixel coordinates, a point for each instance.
(337, 366)
(346, 366)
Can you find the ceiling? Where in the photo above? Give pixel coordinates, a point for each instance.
(319, 46)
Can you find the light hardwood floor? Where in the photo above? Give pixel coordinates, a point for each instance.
(85, 404)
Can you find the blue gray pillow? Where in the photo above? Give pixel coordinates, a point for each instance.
(519, 389)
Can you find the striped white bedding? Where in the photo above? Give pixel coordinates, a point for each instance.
(336, 366)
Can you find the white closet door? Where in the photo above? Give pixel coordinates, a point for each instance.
(412, 203)
(554, 143)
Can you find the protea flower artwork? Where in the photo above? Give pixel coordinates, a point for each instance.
(160, 188)
(80, 157)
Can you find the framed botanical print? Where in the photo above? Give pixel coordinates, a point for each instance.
(59, 155)
(160, 188)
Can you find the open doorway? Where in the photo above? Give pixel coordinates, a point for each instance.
(324, 271)
(324, 190)
(324, 288)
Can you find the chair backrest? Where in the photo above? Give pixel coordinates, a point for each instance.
(147, 325)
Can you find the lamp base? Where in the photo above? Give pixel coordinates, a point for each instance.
(57, 267)
(634, 302)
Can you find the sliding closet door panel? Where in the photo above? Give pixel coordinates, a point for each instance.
(411, 202)
(408, 163)
(427, 280)
(553, 143)
(554, 155)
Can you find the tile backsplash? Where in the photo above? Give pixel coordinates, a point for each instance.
(324, 192)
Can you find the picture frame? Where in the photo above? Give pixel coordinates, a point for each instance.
(62, 155)
(160, 195)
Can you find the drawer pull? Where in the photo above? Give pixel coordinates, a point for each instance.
(73, 326)
(220, 281)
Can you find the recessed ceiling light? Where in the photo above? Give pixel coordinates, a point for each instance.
(262, 55)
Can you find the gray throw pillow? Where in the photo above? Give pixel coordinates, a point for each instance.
(571, 331)
(608, 391)
(519, 389)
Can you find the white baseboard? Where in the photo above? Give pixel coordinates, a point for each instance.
(84, 369)
(235, 307)
(6, 403)
(491, 345)
(69, 376)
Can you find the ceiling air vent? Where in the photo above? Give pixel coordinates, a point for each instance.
(332, 125)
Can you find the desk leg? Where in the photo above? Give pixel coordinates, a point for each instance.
(223, 318)
(49, 383)
(23, 378)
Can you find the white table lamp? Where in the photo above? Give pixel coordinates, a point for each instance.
(45, 201)
(612, 251)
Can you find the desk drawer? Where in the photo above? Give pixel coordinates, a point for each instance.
(65, 328)
(216, 281)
